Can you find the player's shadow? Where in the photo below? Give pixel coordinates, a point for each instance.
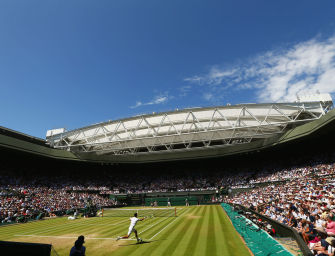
(143, 242)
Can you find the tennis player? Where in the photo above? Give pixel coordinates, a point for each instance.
(132, 229)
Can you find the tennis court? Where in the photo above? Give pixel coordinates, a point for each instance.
(197, 230)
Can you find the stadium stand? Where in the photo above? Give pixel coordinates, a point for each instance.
(304, 202)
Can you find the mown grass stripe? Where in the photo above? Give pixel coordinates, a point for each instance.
(169, 224)
(220, 234)
(127, 250)
(150, 226)
(149, 249)
(234, 243)
(76, 230)
(24, 227)
(182, 246)
(31, 225)
(191, 246)
(114, 231)
(107, 231)
(201, 245)
(123, 229)
(48, 228)
(67, 225)
(50, 225)
(180, 232)
(70, 228)
(210, 236)
(153, 232)
(170, 228)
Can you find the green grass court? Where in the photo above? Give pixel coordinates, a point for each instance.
(198, 230)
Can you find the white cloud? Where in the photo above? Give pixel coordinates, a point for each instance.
(159, 99)
(138, 104)
(278, 75)
(208, 96)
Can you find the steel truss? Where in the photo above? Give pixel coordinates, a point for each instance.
(189, 128)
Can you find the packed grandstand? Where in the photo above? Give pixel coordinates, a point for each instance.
(30, 195)
(291, 182)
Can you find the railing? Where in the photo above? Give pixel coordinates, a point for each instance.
(281, 229)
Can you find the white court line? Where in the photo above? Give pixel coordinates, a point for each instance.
(162, 229)
(167, 225)
(75, 237)
(151, 226)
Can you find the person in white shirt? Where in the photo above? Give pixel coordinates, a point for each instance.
(132, 229)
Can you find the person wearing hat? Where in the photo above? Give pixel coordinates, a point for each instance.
(325, 247)
(78, 249)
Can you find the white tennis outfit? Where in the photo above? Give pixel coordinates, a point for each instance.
(133, 222)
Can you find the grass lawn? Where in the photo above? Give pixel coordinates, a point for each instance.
(198, 230)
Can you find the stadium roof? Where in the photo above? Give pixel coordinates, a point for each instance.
(189, 129)
(318, 133)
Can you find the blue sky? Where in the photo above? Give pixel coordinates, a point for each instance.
(74, 63)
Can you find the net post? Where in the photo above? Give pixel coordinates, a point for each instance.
(175, 212)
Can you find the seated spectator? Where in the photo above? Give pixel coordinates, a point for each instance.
(325, 247)
(330, 228)
(320, 224)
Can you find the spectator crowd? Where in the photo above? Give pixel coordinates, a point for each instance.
(304, 199)
(300, 196)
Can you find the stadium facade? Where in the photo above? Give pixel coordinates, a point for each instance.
(184, 134)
